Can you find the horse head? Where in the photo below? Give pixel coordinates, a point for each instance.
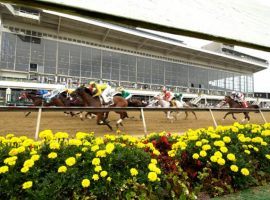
(228, 99)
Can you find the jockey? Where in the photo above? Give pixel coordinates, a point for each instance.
(103, 90)
(168, 96)
(178, 97)
(43, 93)
(240, 98)
(125, 94)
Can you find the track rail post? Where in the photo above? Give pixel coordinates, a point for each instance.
(38, 123)
(213, 117)
(144, 124)
(263, 116)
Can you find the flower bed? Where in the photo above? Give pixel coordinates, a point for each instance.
(160, 166)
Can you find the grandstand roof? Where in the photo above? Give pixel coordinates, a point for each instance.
(138, 40)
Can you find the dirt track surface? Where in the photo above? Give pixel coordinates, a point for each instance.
(15, 122)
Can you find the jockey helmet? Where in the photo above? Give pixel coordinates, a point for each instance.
(164, 89)
(120, 89)
(92, 83)
(233, 93)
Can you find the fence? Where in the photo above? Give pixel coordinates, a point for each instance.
(140, 109)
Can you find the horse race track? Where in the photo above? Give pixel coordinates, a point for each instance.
(15, 122)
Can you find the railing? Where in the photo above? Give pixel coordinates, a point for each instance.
(141, 109)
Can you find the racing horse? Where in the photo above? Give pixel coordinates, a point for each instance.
(234, 104)
(89, 100)
(159, 101)
(39, 101)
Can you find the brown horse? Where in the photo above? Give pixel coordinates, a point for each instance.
(39, 101)
(89, 100)
(233, 104)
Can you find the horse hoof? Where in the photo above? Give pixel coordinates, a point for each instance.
(121, 124)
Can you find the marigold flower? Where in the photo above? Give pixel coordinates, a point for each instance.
(227, 139)
(198, 143)
(61, 135)
(195, 156)
(52, 155)
(46, 134)
(70, 161)
(267, 156)
(95, 148)
(4, 169)
(98, 168)
(133, 172)
(35, 157)
(206, 147)
(152, 176)
(85, 183)
(109, 148)
(218, 154)
(101, 153)
(74, 142)
(109, 179)
(156, 152)
(21, 149)
(234, 168)
(13, 152)
(54, 145)
(224, 149)
(221, 161)
(247, 151)
(95, 177)
(203, 153)
(245, 171)
(231, 157)
(96, 161)
(103, 173)
(28, 163)
(62, 169)
(24, 169)
(213, 158)
(27, 185)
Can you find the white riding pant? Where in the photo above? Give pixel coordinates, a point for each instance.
(107, 95)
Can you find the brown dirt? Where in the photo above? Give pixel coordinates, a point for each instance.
(15, 122)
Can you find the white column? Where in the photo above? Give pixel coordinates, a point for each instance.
(8, 94)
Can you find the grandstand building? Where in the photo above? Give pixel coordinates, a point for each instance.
(46, 49)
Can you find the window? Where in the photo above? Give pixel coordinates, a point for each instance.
(33, 67)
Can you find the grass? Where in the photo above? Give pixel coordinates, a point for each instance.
(256, 193)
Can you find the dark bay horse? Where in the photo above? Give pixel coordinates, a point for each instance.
(89, 100)
(233, 104)
(39, 101)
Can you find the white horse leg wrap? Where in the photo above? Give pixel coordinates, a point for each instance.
(119, 121)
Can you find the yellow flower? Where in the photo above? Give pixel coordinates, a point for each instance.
(198, 143)
(46, 134)
(171, 153)
(231, 157)
(81, 135)
(61, 135)
(256, 149)
(35, 157)
(218, 154)
(206, 147)
(234, 168)
(28, 142)
(52, 155)
(245, 171)
(28, 163)
(195, 156)
(247, 151)
(133, 172)
(103, 173)
(96, 161)
(156, 152)
(203, 153)
(101, 153)
(227, 139)
(24, 169)
(223, 149)
(85, 183)
(98, 168)
(78, 155)
(221, 161)
(3, 169)
(74, 142)
(154, 161)
(27, 185)
(152, 176)
(9, 136)
(54, 145)
(109, 179)
(267, 156)
(62, 169)
(70, 161)
(13, 152)
(21, 149)
(84, 149)
(109, 148)
(214, 158)
(95, 148)
(95, 177)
